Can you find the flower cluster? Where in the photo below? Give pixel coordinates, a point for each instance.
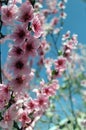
(55, 68)
(18, 109)
(52, 15)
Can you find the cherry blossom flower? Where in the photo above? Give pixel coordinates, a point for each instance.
(25, 12)
(8, 13)
(61, 5)
(19, 34)
(18, 65)
(42, 102)
(23, 118)
(4, 95)
(16, 51)
(50, 90)
(37, 27)
(31, 105)
(60, 63)
(63, 15)
(19, 83)
(7, 121)
(31, 46)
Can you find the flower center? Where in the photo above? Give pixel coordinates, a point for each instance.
(19, 80)
(19, 65)
(29, 47)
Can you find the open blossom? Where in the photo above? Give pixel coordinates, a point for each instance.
(63, 15)
(4, 95)
(60, 63)
(37, 26)
(19, 83)
(7, 122)
(8, 13)
(25, 12)
(42, 102)
(31, 46)
(18, 65)
(61, 5)
(50, 90)
(31, 105)
(23, 118)
(16, 51)
(19, 34)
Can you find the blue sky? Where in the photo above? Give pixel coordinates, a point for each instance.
(75, 22)
(76, 19)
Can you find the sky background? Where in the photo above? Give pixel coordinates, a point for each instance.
(76, 19)
(75, 22)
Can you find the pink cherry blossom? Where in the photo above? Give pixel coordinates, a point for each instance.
(37, 27)
(60, 63)
(23, 118)
(19, 34)
(18, 65)
(61, 5)
(19, 83)
(16, 51)
(7, 121)
(42, 102)
(4, 95)
(8, 13)
(63, 15)
(50, 90)
(31, 46)
(25, 12)
(31, 105)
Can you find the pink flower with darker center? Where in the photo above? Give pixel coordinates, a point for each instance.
(4, 95)
(42, 102)
(7, 122)
(60, 63)
(16, 51)
(31, 46)
(19, 83)
(37, 27)
(24, 118)
(51, 89)
(8, 13)
(19, 34)
(18, 65)
(31, 105)
(25, 13)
